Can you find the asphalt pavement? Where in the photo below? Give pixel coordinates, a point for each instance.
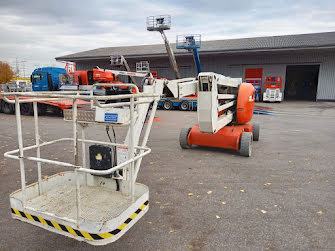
(281, 198)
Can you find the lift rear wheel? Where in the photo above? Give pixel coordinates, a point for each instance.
(255, 132)
(184, 106)
(26, 109)
(42, 109)
(183, 136)
(245, 144)
(7, 108)
(167, 105)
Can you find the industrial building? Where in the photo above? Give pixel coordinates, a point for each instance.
(305, 62)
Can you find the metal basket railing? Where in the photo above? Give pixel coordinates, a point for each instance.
(159, 23)
(188, 41)
(19, 154)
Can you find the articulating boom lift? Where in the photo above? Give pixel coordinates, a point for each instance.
(225, 105)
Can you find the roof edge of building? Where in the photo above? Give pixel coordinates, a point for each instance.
(208, 52)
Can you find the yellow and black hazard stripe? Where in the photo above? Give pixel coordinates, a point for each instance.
(75, 232)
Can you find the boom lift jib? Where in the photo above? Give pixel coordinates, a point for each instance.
(191, 43)
(119, 60)
(161, 23)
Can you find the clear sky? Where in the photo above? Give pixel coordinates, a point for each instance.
(37, 31)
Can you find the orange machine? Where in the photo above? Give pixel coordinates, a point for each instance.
(89, 77)
(228, 127)
(273, 86)
(274, 82)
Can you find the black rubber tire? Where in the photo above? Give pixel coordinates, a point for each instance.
(183, 138)
(245, 144)
(184, 106)
(42, 109)
(167, 105)
(8, 108)
(1, 105)
(255, 132)
(26, 109)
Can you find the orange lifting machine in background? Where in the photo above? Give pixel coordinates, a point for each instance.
(225, 106)
(273, 85)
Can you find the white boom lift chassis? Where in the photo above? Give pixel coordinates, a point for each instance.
(82, 203)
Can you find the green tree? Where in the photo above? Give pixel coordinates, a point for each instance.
(6, 73)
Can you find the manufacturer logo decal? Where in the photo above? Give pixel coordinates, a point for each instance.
(111, 117)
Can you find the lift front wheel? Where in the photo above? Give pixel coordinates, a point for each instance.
(255, 132)
(245, 144)
(183, 136)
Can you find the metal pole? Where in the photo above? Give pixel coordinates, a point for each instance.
(125, 63)
(76, 158)
(172, 58)
(83, 145)
(38, 150)
(146, 135)
(20, 141)
(196, 58)
(131, 149)
(78, 196)
(75, 132)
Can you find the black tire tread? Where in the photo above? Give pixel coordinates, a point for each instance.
(27, 109)
(245, 144)
(255, 132)
(181, 104)
(7, 108)
(183, 138)
(167, 101)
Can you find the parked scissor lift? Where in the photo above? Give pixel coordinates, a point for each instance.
(225, 106)
(273, 86)
(98, 200)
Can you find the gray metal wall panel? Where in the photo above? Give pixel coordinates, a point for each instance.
(326, 86)
(234, 65)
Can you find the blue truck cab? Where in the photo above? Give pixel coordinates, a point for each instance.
(46, 78)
